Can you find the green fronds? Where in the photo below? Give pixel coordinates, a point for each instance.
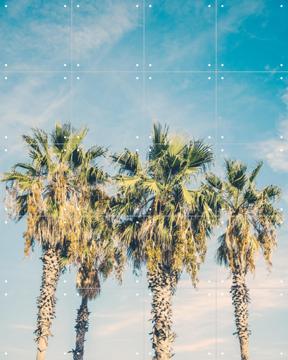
(252, 217)
(254, 173)
(128, 162)
(160, 220)
(236, 173)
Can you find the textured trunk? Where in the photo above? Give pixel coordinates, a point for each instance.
(81, 327)
(240, 300)
(162, 284)
(47, 300)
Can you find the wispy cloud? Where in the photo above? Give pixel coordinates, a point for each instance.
(205, 344)
(94, 31)
(121, 321)
(275, 150)
(24, 327)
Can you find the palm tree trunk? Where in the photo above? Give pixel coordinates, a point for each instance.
(46, 301)
(81, 327)
(162, 284)
(240, 300)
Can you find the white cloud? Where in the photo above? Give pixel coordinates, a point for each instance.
(122, 321)
(106, 29)
(205, 344)
(275, 150)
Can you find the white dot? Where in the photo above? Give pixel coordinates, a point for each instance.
(281, 150)
(222, 65)
(150, 77)
(281, 294)
(6, 281)
(5, 5)
(150, 5)
(64, 65)
(137, 150)
(5, 65)
(222, 353)
(281, 5)
(78, 65)
(281, 137)
(137, 5)
(137, 77)
(281, 65)
(77, 77)
(6, 294)
(5, 150)
(78, 5)
(5, 77)
(222, 150)
(150, 65)
(209, 5)
(137, 137)
(137, 65)
(209, 77)
(137, 294)
(6, 137)
(209, 353)
(222, 136)
(5, 353)
(65, 78)
(209, 137)
(222, 77)
(137, 353)
(65, 6)
(222, 5)
(64, 294)
(65, 353)
(65, 281)
(281, 77)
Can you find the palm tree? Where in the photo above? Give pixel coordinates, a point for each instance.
(162, 222)
(44, 191)
(251, 224)
(95, 254)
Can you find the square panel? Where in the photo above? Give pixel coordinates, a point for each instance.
(30, 100)
(117, 325)
(251, 107)
(107, 35)
(247, 32)
(185, 102)
(41, 38)
(267, 310)
(195, 324)
(111, 106)
(180, 35)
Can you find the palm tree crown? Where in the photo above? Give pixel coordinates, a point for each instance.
(162, 219)
(251, 217)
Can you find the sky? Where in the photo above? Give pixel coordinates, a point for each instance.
(215, 70)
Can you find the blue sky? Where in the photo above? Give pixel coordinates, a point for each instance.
(116, 67)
